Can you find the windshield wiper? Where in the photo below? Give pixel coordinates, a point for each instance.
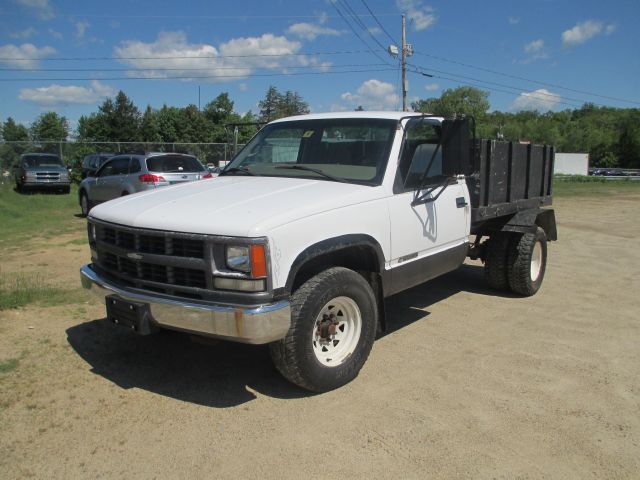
(237, 169)
(314, 170)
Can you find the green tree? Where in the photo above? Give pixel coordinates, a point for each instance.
(149, 127)
(50, 126)
(292, 104)
(467, 101)
(269, 105)
(13, 132)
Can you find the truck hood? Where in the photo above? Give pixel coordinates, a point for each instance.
(235, 206)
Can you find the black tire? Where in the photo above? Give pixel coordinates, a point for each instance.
(19, 188)
(124, 194)
(495, 261)
(525, 276)
(66, 190)
(294, 355)
(85, 204)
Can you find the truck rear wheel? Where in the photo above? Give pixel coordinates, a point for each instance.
(333, 326)
(527, 262)
(495, 261)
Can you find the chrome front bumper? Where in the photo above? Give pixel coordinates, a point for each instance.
(257, 325)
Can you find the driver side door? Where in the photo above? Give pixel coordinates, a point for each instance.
(428, 238)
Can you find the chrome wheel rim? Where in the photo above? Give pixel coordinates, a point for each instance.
(336, 331)
(536, 261)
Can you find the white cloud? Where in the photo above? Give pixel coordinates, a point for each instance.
(535, 51)
(42, 8)
(374, 30)
(24, 34)
(420, 16)
(243, 87)
(513, 20)
(81, 28)
(66, 94)
(541, 99)
(310, 31)
(584, 31)
(231, 61)
(430, 87)
(15, 55)
(55, 34)
(373, 95)
(534, 47)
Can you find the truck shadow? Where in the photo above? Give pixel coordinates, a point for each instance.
(410, 306)
(226, 374)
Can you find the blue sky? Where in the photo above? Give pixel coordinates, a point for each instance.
(536, 54)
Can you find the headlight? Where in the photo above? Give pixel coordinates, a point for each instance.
(238, 259)
(64, 176)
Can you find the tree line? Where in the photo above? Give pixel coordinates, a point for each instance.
(610, 135)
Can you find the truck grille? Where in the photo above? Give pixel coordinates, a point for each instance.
(165, 262)
(47, 176)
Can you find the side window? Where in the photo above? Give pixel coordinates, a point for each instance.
(134, 166)
(420, 152)
(106, 170)
(121, 166)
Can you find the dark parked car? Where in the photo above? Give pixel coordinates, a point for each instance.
(42, 171)
(126, 173)
(93, 162)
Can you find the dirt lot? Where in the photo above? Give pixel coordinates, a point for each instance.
(468, 384)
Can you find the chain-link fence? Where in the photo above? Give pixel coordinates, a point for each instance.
(72, 153)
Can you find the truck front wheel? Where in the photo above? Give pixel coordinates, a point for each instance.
(333, 326)
(527, 262)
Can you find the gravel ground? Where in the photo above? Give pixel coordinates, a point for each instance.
(467, 384)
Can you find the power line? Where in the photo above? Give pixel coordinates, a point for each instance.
(132, 69)
(519, 89)
(379, 24)
(362, 25)
(344, 18)
(204, 17)
(31, 59)
(516, 77)
(493, 89)
(194, 77)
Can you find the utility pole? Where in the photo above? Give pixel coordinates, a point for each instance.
(404, 66)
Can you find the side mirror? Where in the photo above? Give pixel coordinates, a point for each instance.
(457, 148)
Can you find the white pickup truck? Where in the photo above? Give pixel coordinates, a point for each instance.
(313, 225)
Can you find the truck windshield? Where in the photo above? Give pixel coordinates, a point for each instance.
(32, 161)
(353, 150)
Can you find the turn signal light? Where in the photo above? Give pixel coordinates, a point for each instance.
(258, 261)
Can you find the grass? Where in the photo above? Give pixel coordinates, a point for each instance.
(23, 216)
(9, 365)
(18, 290)
(579, 185)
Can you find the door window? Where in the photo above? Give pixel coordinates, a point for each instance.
(116, 166)
(420, 154)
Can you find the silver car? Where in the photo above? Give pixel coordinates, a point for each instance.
(127, 173)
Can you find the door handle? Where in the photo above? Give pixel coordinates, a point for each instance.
(461, 202)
